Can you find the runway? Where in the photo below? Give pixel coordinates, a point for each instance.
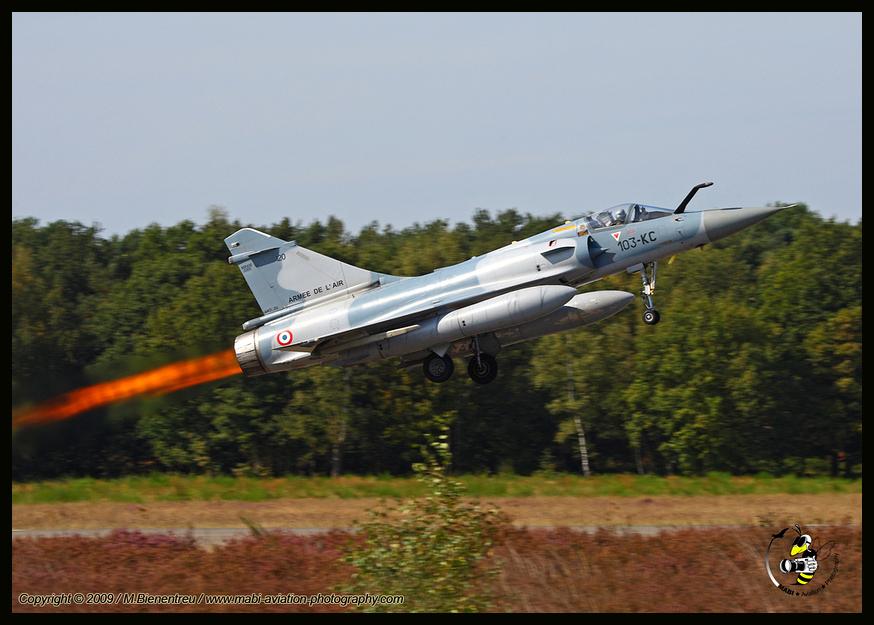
(213, 536)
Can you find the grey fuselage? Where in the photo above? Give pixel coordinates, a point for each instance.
(520, 291)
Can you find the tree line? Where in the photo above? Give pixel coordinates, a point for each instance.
(756, 365)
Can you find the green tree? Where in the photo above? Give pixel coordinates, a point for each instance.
(586, 371)
(697, 398)
(834, 349)
(57, 271)
(804, 286)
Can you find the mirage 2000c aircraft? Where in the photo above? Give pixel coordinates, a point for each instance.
(318, 310)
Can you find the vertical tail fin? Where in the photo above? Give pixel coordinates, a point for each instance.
(281, 273)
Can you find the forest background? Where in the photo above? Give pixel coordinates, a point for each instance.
(755, 367)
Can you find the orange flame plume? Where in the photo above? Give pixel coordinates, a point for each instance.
(156, 382)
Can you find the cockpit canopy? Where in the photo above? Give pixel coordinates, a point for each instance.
(624, 214)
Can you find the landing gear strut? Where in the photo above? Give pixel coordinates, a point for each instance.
(650, 315)
(482, 368)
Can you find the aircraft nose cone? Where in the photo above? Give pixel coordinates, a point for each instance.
(724, 222)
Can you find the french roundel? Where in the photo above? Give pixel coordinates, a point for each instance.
(284, 338)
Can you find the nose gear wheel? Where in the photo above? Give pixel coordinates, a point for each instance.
(650, 316)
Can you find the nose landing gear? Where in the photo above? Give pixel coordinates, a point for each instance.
(650, 316)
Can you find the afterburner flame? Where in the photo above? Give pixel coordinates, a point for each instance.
(160, 381)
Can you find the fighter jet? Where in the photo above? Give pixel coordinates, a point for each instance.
(318, 310)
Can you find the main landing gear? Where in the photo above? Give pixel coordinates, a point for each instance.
(438, 368)
(482, 368)
(650, 315)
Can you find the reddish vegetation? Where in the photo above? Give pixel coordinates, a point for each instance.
(692, 570)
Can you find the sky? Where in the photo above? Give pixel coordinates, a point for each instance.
(125, 120)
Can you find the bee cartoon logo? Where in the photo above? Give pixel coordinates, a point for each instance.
(805, 554)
